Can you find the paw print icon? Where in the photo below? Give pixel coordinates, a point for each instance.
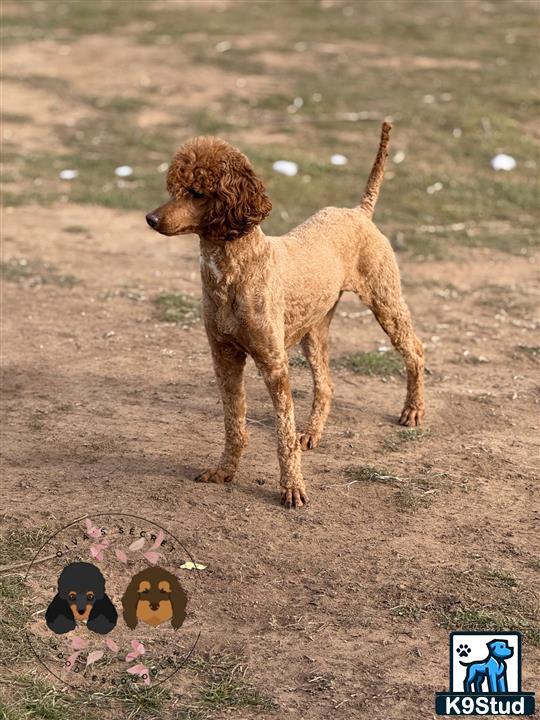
(463, 650)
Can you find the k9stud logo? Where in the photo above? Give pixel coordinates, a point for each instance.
(485, 676)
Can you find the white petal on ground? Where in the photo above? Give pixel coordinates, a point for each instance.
(123, 171)
(223, 46)
(189, 565)
(285, 167)
(436, 187)
(338, 159)
(503, 162)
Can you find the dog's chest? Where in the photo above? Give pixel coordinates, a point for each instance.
(235, 316)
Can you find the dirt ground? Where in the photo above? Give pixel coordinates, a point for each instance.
(341, 609)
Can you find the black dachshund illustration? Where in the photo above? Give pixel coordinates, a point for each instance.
(154, 596)
(81, 597)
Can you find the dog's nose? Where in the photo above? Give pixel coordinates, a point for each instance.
(154, 606)
(152, 220)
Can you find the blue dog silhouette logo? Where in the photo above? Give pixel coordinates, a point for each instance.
(485, 676)
(492, 669)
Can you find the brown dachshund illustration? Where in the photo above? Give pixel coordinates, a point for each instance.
(154, 596)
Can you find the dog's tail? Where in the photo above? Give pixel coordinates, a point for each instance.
(373, 185)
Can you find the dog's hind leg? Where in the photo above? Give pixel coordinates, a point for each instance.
(229, 365)
(396, 322)
(386, 301)
(468, 682)
(315, 347)
(478, 685)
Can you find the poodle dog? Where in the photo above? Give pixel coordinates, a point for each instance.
(262, 294)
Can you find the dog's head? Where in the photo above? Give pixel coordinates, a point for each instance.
(81, 585)
(499, 649)
(154, 596)
(214, 192)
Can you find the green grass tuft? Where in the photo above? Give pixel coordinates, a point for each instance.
(35, 272)
(142, 701)
(370, 474)
(501, 578)
(177, 308)
(225, 687)
(298, 362)
(405, 435)
(21, 544)
(373, 363)
(76, 229)
(532, 352)
(474, 618)
(44, 701)
(408, 610)
(231, 692)
(410, 498)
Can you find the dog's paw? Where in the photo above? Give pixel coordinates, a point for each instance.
(218, 475)
(463, 650)
(294, 497)
(308, 440)
(411, 416)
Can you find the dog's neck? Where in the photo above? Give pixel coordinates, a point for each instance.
(229, 260)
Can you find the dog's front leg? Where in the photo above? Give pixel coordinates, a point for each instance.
(229, 365)
(276, 376)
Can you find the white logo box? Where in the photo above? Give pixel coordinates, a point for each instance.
(477, 644)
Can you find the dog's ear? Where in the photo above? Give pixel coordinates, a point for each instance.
(238, 203)
(103, 616)
(179, 602)
(59, 617)
(129, 603)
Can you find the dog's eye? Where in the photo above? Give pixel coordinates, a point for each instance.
(195, 193)
(89, 595)
(72, 596)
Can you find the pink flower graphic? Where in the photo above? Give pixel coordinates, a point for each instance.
(141, 671)
(138, 649)
(94, 656)
(121, 555)
(152, 556)
(97, 550)
(113, 647)
(91, 530)
(78, 643)
(137, 544)
(72, 659)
